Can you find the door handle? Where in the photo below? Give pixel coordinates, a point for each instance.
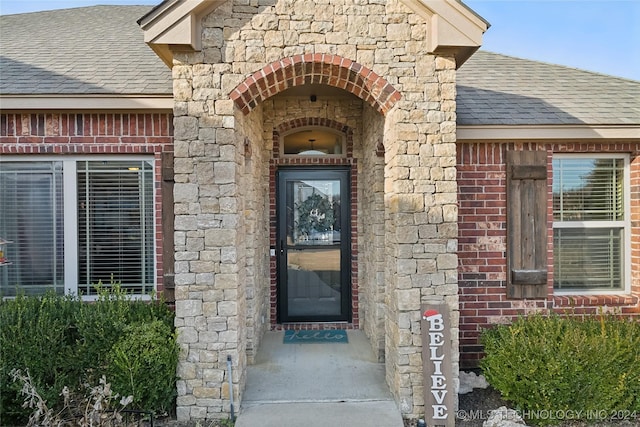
(281, 247)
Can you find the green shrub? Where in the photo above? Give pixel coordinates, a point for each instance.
(101, 324)
(38, 334)
(574, 365)
(63, 341)
(143, 364)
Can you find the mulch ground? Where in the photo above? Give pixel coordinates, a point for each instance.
(474, 408)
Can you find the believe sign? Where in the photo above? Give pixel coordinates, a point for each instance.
(439, 403)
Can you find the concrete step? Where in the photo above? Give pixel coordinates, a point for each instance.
(317, 385)
(382, 413)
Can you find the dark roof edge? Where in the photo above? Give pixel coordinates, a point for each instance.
(475, 13)
(155, 9)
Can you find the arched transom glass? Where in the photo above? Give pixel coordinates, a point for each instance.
(313, 141)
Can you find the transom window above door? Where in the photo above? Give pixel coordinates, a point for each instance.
(313, 141)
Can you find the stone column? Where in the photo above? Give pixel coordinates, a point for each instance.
(420, 222)
(209, 242)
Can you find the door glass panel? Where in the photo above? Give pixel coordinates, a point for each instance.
(314, 213)
(313, 248)
(314, 282)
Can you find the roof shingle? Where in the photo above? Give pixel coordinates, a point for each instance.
(101, 50)
(495, 89)
(86, 50)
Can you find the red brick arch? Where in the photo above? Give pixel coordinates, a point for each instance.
(319, 68)
(313, 121)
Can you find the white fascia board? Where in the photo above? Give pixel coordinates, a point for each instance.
(83, 102)
(456, 25)
(163, 20)
(551, 132)
(177, 25)
(181, 34)
(452, 26)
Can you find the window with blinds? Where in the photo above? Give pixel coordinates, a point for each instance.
(590, 224)
(115, 225)
(75, 224)
(31, 217)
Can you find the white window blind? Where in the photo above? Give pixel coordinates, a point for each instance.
(589, 223)
(31, 217)
(115, 228)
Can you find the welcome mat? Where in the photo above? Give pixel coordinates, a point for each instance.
(315, 337)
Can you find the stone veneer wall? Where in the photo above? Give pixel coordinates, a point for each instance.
(371, 214)
(421, 221)
(255, 191)
(209, 241)
(371, 49)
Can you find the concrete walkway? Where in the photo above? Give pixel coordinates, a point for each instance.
(317, 385)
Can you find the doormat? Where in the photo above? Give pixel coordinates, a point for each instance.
(315, 337)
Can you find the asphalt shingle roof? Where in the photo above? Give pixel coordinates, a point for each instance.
(101, 50)
(495, 89)
(86, 50)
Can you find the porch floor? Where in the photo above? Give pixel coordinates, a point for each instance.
(317, 385)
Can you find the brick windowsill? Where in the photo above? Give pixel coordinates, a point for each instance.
(594, 300)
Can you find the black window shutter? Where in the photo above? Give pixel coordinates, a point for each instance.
(526, 224)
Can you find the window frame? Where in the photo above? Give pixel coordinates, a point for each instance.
(70, 214)
(320, 128)
(624, 225)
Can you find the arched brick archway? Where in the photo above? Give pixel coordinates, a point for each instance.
(327, 69)
(313, 121)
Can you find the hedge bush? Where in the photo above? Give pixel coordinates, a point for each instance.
(38, 334)
(63, 341)
(143, 364)
(578, 366)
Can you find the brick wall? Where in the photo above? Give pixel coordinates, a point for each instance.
(129, 131)
(46, 133)
(482, 243)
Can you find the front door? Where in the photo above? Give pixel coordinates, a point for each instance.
(314, 274)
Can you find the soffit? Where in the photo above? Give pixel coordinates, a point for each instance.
(581, 132)
(75, 102)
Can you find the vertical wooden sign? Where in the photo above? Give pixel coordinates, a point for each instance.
(439, 398)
